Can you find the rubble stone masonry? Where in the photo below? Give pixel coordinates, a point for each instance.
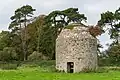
(76, 45)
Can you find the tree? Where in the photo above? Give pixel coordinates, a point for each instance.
(65, 17)
(114, 53)
(5, 39)
(40, 37)
(8, 54)
(56, 21)
(113, 20)
(16, 21)
(27, 11)
(39, 24)
(39, 34)
(34, 33)
(16, 27)
(7, 50)
(21, 17)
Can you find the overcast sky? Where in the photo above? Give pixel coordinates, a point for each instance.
(91, 8)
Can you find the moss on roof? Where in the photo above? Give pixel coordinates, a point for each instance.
(71, 26)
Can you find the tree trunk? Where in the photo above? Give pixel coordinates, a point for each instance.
(25, 40)
(22, 40)
(38, 46)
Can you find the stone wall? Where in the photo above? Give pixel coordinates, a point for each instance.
(77, 46)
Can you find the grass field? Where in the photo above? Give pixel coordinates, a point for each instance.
(37, 74)
(46, 73)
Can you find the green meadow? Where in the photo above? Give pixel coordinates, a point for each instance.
(38, 74)
(45, 71)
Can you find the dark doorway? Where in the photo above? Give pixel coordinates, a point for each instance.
(70, 67)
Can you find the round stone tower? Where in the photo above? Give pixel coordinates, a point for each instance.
(76, 50)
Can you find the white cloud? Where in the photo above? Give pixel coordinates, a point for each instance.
(4, 3)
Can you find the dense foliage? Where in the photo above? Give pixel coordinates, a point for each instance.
(34, 38)
(31, 38)
(111, 20)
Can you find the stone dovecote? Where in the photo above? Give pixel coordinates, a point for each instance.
(76, 50)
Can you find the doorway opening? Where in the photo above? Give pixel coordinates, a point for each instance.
(70, 67)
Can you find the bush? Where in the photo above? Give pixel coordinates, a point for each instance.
(48, 66)
(98, 70)
(37, 56)
(8, 66)
(8, 54)
(43, 65)
(108, 61)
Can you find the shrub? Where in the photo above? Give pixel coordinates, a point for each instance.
(37, 56)
(95, 31)
(42, 65)
(8, 54)
(98, 70)
(8, 66)
(87, 70)
(48, 66)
